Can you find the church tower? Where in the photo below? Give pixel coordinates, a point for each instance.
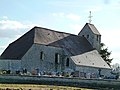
(90, 32)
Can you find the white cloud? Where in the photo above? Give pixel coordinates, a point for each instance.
(75, 28)
(13, 25)
(5, 17)
(116, 57)
(10, 30)
(70, 16)
(2, 48)
(59, 15)
(73, 17)
(13, 28)
(110, 38)
(62, 15)
(7, 24)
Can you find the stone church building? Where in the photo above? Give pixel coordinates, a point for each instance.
(48, 50)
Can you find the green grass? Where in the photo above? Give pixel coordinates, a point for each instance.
(37, 87)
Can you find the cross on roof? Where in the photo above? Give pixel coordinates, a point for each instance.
(90, 16)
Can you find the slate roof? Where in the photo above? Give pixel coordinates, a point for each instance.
(92, 28)
(18, 48)
(73, 44)
(91, 59)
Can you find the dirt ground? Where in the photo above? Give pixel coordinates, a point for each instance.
(36, 87)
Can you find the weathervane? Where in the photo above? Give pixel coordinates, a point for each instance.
(90, 16)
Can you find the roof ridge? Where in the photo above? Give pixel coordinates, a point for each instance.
(54, 30)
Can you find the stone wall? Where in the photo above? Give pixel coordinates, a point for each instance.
(31, 60)
(93, 72)
(10, 65)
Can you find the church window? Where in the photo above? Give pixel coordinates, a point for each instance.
(67, 62)
(87, 36)
(97, 37)
(57, 58)
(41, 55)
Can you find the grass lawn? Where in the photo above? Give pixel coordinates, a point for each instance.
(36, 87)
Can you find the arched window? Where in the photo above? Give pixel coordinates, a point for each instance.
(41, 55)
(97, 37)
(57, 58)
(67, 62)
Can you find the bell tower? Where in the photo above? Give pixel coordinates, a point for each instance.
(90, 32)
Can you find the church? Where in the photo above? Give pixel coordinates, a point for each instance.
(53, 51)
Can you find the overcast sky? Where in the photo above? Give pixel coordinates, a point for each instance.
(19, 16)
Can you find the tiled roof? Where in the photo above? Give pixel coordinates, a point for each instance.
(92, 59)
(74, 44)
(93, 28)
(18, 48)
